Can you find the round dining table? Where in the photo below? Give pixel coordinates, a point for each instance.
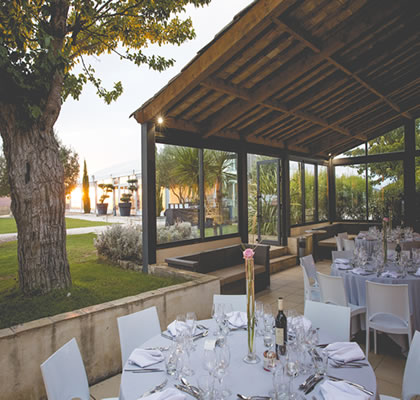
(246, 379)
(355, 285)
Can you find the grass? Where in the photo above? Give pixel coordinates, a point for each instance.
(8, 225)
(94, 282)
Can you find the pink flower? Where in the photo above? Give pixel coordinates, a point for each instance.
(248, 253)
(386, 219)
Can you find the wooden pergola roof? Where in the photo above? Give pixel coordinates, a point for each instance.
(315, 77)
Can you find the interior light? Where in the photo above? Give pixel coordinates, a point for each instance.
(160, 120)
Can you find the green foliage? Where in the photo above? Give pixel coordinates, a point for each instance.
(106, 188)
(176, 232)
(40, 39)
(85, 184)
(126, 197)
(94, 282)
(351, 197)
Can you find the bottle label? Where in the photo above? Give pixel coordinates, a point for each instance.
(280, 336)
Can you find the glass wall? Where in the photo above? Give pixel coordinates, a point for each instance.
(350, 186)
(220, 197)
(417, 125)
(389, 143)
(309, 192)
(386, 190)
(322, 193)
(296, 206)
(177, 193)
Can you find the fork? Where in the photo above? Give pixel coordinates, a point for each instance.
(157, 388)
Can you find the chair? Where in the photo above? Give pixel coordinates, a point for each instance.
(413, 244)
(388, 310)
(135, 329)
(64, 374)
(311, 290)
(411, 382)
(238, 301)
(348, 244)
(333, 292)
(339, 240)
(341, 254)
(330, 318)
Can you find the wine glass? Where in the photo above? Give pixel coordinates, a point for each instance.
(222, 364)
(292, 366)
(217, 315)
(259, 317)
(209, 360)
(281, 383)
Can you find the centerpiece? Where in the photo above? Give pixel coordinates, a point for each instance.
(251, 357)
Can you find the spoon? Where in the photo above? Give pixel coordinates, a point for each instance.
(241, 396)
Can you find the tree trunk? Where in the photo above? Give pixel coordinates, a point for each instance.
(36, 178)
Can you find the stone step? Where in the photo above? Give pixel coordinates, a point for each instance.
(278, 251)
(281, 263)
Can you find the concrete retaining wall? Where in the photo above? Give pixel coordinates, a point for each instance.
(24, 347)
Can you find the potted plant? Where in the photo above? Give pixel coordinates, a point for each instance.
(101, 206)
(125, 204)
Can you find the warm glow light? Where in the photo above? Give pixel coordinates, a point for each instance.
(160, 120)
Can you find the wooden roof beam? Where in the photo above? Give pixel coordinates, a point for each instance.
(356, 24)
(223, 48)
(310, 42)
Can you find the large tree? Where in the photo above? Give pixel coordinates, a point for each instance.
(40, 42)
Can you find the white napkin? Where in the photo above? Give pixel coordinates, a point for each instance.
(175, 328)
(389, 274)
(144, 358)
(341, 390)
(345, 351)
(359, 271)
(417, 272)
(342, 261)
(167, 394)
(237, 319)
(307, 324)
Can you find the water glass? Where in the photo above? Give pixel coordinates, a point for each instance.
(281, 383)
(171, 360)
(321, 361)
(206, 385)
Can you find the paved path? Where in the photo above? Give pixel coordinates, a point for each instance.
(10, 237)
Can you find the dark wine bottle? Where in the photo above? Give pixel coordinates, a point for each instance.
(281, 330)
(398, 250)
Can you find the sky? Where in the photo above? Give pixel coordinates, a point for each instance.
(104, 134)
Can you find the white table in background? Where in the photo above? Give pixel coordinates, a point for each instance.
(242, 378)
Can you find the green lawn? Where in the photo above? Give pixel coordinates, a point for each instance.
(94, 282)
(8, 225)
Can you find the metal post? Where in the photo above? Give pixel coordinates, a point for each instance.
(243, 195)
(148, 173)
(409, 163)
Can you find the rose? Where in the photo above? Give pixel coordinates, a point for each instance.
(386, 219)
(248, 253)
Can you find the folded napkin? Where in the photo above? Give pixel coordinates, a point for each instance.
(237, 319)
(177, 327)
(345, 351)
(389, 274)
(342, 261)
(417, 272)
(144, 358)
(167, 394)
(360, 271)
(307, 324)
(341, 390)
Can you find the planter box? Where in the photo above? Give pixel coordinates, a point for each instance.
(24, 347)
(125, 209)
(102, 208)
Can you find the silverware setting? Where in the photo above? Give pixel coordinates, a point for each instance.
(243, 397)
(201, 335)
(188, 390)
(200, 326)
(161, 348)
(303, 385)
(157, 388)
(193, 388)
(144, 370)
(313, 383)
(356, 385)
(349, 364)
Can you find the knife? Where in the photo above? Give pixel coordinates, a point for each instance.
(201, 335)
(155, 389)
(187, 390)
(167, 336)
(313, 384)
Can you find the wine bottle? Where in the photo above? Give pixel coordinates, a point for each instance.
(398, 250)
(281, 330)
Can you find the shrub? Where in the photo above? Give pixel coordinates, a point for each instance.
(176, 232)
(121, 242)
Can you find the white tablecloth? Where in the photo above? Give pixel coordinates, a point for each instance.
(242, 378)
(356, 289)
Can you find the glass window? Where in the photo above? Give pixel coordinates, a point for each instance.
(350, 184)
(417, 129)
(221, 197)
(356, 151)
(309, 193)
(418, 191)
(322, 193)
(389, 143)
(177, 193)
(295, 193)
(386, 190)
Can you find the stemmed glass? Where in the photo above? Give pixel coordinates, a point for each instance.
(281, 383)
(259, 316)
(218, 316)
(223, 361)
(292, 366)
